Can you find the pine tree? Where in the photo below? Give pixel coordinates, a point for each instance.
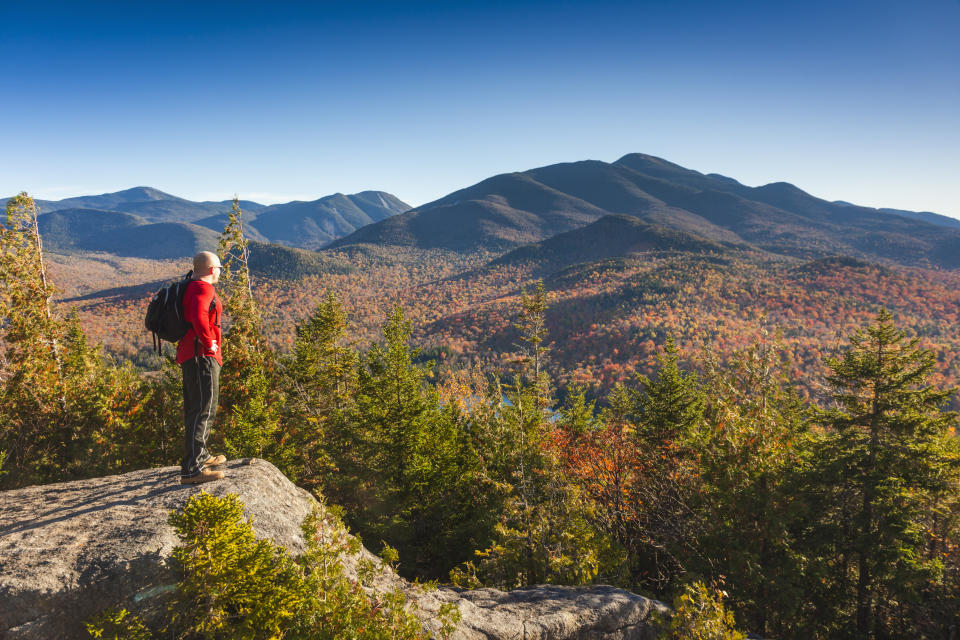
(746, 513)
(531, 322)
(162, 415)
(417, 463)
(670, 406)
(320, 378)
(636, 464)
(546, 533)
(106, 408)
(875, 472)
(33, 427)
(249, 398)
(392, 398)
(66, 411)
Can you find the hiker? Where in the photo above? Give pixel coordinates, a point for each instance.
(199, 356)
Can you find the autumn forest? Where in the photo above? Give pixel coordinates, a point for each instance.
(764, 437)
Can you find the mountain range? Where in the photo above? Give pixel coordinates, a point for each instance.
(511, 210)
(650, 203)
(629, 251)
(148, 223)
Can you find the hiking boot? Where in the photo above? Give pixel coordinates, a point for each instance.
(204, 476)
(214, 461)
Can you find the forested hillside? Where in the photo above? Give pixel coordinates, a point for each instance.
(510, 210)
(699, 257)
(607, 316)
(702, 407)
(147, 223)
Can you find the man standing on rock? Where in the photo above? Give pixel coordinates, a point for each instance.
(198, 354)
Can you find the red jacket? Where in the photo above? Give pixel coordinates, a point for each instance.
(202, 309)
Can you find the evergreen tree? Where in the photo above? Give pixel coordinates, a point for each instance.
(66, 411)
(392, 398)
(417, 463)
(321, 381)
(249, 398)
(875, 473)
(670, 406)
(34, 430)
(546, 532)
(637, 465)
(746, 516)
(162, 415)
(106, 404)
(531, 322)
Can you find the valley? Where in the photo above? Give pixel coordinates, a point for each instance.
(629, 252)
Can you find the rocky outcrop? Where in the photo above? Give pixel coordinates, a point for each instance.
(70, 550)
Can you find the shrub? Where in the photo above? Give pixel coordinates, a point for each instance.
(118, 625)
(699, 614)
(235, 586)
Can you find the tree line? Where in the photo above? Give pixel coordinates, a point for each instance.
(712, 481)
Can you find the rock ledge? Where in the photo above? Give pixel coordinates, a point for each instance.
(69, 550)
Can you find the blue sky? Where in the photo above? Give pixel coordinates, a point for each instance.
(277, 101)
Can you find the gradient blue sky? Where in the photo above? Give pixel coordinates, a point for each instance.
(277, 101)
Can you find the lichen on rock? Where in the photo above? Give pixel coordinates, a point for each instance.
(71, 550)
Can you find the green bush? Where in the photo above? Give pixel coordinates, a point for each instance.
(699, 614)
(233, 584)
(118, 625)
(236, 587)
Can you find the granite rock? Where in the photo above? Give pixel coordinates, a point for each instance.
(70, 550)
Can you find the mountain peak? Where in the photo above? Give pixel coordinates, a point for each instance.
(133, 194)
(641, 161)
(507, 211)
(784, 188)
(144, 193)
(727, 179)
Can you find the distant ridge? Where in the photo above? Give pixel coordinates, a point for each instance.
(312, 225)
(107, 222)
(611, 236)
(511, 210)
(925, 216)
(147, 202)
(122, 234)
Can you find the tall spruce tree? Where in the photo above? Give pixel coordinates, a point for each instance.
(545, 533)
(745, 503)
(105, 410)
(418, 465)
(665, 416)
(249, 398)
(34, 431)
(669, 406)
(532, 324)
(635, 463)
(66, 411)
(321, 381)
(882, 462)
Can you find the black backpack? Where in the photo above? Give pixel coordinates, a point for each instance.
(165, 313)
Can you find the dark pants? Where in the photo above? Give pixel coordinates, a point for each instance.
(201, 392)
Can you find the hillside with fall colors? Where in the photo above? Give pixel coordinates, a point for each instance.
(628, 374)
(699, 257)
(510, 210)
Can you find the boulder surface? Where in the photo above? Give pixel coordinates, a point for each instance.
(70, 550)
